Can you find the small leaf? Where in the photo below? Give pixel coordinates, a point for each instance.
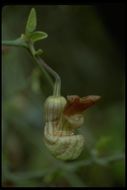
(38, 52)
(36, 36)
(31, 22)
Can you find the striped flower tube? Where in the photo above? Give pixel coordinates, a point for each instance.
(62, 117)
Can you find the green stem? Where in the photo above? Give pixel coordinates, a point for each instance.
(57, 85)
(20, 43)
(44, 71)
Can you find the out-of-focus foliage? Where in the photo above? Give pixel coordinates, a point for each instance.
(85, 47)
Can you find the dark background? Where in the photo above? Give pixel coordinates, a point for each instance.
(85, 45)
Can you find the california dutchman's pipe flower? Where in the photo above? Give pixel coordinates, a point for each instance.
(62, 117)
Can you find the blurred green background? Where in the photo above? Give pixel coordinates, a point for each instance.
(85, 45)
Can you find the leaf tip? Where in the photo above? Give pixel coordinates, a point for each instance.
(32, 21)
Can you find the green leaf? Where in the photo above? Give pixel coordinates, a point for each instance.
(31, 22)
(38, 35)
(38, 52)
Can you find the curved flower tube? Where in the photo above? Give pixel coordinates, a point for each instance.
(62, 118)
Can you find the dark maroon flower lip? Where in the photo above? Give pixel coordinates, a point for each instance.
(76, 105)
